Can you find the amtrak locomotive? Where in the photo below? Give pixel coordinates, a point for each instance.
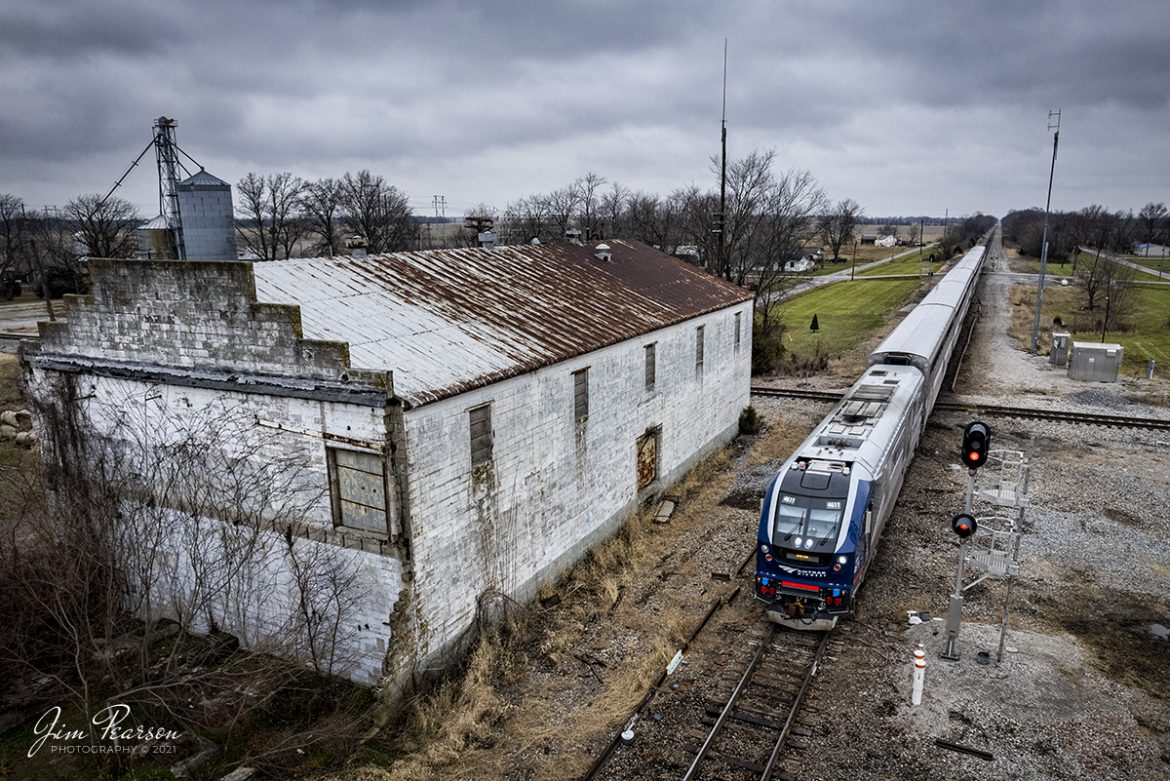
(824, 511)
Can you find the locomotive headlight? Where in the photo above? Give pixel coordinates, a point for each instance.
(842, 559)
(798, 541)
(808, 543)
(764, 549)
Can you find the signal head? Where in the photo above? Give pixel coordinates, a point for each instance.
(976, 443)
(964, 525)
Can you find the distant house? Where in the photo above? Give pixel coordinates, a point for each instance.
(886, 241)
(868, 238)
(805, 260)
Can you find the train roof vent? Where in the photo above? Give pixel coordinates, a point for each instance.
(841, 443)
(815, 481)
(822, 465)
(875, 392)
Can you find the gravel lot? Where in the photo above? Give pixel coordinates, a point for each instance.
(1083, 688)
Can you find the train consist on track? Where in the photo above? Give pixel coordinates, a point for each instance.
(823, 513)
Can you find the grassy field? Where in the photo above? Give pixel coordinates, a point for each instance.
(1028, 265)
(848, 314)
(911, 264)
(1154, 263)
(1148, 337)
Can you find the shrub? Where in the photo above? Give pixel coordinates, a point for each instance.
(767, 349)
(750, 422)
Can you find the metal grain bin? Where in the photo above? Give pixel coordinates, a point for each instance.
(1095, 362)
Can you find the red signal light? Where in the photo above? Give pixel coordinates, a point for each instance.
(964, 525)
(976, 443)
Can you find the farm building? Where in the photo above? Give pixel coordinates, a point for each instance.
(371, 451)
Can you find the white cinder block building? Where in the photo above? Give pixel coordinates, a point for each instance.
(444, 427)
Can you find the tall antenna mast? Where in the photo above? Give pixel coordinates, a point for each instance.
(1044, 239)
(166, 154)
(721, 261)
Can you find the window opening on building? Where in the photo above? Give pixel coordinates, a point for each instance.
(580, 395)
(650, 366)
(358, 486)
(481, 434)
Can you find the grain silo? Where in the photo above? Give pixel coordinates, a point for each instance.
(209, 225)
(155, 239)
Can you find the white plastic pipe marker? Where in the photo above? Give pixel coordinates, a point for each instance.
(919, 675)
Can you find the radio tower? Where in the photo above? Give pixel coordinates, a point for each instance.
(166, 153)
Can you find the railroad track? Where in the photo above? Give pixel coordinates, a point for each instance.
(1030, 413)
(751, 727)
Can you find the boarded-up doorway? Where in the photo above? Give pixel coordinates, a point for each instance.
(648, 445)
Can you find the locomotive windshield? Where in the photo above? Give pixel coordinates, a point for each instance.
(806, 523)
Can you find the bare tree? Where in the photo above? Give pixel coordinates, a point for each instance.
(654, 220)
(117, 581)
(270, 206)
(477, 220)
(529, 218)
(613, 206)
(1117, 284)
(378, 212)
(791, 208)
(320, 205)
(15, 244)
(105, 226)
(588, 187)
(562, 206)
(1153, 218)
(750, 184)
(838, 226)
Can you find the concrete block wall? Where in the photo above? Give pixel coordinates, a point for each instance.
(553, 493)
(196, 315)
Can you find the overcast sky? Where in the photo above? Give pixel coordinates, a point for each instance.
(907, 107)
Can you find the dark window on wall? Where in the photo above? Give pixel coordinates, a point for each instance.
(650, 367)
(358, 485)
(738, 322)
(580, 395)
(481, 435)
(699, 351)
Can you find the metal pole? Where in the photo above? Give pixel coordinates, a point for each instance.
(955, 612)
(1105, 321)
(723, 172)
(1044, 239)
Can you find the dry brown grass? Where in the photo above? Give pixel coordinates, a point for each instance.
(780, 441)
(1062, 303)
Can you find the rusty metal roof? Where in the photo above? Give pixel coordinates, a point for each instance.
(447, 321)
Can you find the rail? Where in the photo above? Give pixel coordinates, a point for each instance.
(1031, 413)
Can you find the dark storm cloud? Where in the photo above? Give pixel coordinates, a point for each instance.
(903, 106)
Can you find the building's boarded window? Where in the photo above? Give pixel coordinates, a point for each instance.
(647, 447)
(481, 435)
(699, 351)
(650, 367)
(358, 484)
(580, 395)
(738, 321)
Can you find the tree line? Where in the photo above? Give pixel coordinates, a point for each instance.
(1083, 244)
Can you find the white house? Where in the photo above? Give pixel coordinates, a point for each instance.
(467, 423)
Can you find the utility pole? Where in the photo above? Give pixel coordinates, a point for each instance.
(721, 259)
(1044, 237)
